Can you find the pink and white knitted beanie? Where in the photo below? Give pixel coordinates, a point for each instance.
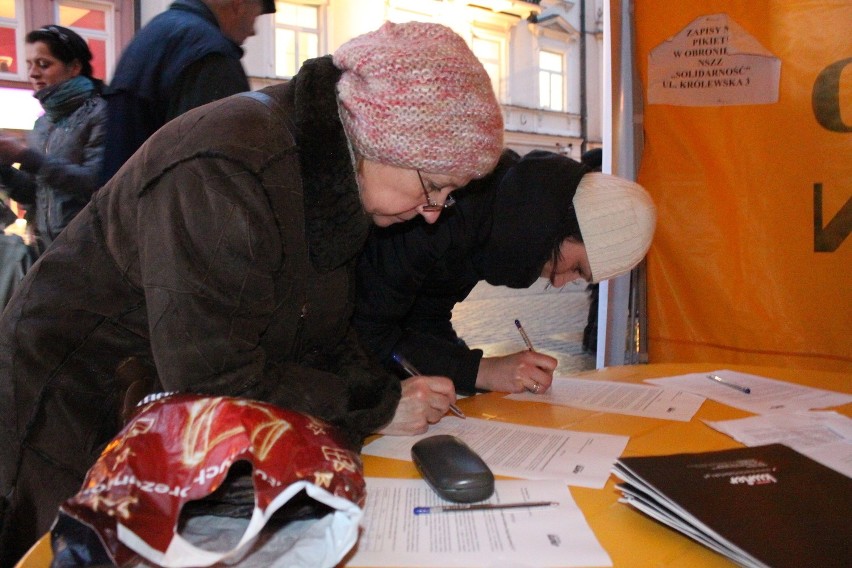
(415, 96)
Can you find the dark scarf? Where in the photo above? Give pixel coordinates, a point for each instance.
(533, 205)
(62, 99)
(336, 224)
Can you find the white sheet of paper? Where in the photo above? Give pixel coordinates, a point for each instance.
(621, 398)
(536, 537)
(576, 458)
(825, 437)
(767, 396)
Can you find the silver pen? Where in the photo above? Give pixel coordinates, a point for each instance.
(722, 381)
(412, 370)
(482, 507)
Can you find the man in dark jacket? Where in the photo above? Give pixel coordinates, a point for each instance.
(183, 58)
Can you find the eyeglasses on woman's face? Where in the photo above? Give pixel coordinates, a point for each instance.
(433, 206)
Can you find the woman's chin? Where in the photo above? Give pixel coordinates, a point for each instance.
(387, 220)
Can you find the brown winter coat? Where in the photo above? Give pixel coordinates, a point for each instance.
(220, 256)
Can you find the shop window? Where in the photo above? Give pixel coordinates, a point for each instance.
(94, 22)
(11, 36)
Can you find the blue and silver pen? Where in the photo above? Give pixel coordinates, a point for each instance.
(412, 370)
(482, 507)
(722, 381)
(524, 335)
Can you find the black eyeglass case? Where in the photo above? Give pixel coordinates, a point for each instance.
(453, 469)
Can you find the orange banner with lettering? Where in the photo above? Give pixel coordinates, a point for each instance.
(752, 258)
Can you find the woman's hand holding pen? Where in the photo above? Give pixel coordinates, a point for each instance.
(516, 372)
(425, 400)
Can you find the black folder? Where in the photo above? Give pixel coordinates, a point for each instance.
(762, 506)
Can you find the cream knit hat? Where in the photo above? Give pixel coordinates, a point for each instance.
(617, 219)
(415, 96)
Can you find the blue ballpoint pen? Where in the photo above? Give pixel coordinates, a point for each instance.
(483, 507)
(722, 381)
(524, 335)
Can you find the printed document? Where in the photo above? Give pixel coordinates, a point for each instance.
(620, 398)
(766, 396)
(539, 537)
(825, 437)
(576, 458)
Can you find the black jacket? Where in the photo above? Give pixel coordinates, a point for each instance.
(501, 230)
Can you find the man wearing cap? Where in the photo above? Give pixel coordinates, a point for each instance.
(183, 58)
(538, 216)
(221, 257)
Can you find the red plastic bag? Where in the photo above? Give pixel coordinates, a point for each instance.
(179, 450)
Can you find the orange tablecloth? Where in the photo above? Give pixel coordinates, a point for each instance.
(631, 539)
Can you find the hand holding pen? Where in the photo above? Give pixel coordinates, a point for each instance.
(532, 366)
(412, 371)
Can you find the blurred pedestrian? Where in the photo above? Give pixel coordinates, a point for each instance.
(63, 154)
(183, 58)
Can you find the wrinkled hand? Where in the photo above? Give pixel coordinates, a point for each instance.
(516, 372)
(425, 400)
(10, 150)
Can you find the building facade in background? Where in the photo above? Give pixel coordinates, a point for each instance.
(544, 57)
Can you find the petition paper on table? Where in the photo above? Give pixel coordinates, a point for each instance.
(766, 396)
(542, 537)
(825, 437)
(620, 398)
(577, 458)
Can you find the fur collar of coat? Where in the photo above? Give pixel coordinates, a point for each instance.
(336, 224)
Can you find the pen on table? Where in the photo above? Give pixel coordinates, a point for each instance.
(412, 370)
(482, 507)
(722, 381)
(524, 335)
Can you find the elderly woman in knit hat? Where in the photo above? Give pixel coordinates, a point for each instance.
(219, 259)
(539, 216)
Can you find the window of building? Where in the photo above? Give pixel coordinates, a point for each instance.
(11, 39)
(94, 22)
(551, 80)
(297, 36)
(489, 51)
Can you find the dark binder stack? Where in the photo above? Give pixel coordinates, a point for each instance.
(763, 506)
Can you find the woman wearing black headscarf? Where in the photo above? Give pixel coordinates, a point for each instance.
(542, 215)
(60, 163)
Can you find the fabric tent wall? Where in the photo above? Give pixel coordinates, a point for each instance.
(752, 260)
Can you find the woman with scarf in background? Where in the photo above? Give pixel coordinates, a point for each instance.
(60, 163)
